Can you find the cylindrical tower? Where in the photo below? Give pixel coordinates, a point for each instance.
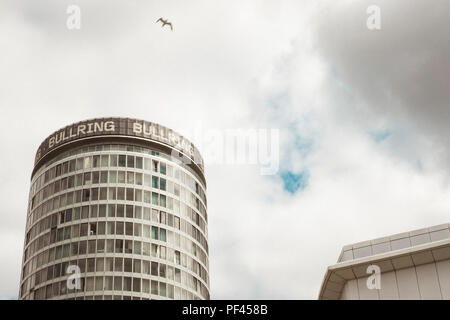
(117, 210)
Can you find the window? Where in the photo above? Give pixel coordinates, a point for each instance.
(147, 196)
(147, 214)
(108, 283)
(155, 251)
(118, 264)
(121, 177)
(67, 233)
(162, 185)
(162, 289)
(109, 264)
(112, 194)
(154, 233)
(104, 177)
(86, 195)
(110, 228)
(98, 283)
(147, 180)
(120, 210)
(137, 229)
(93, 228)
(155, 198)
(95, 177)
(154, 285)
(74, 249)
(79, 164)
(130, 161)
(94, 211)
(138, 162)
(155, 215)
(119, 246)
(136, 284)
(122, 160)
(155, 183)
(137, 247)
(146, 248)
(126, 284)
(102, 210)
(138, 179)
(110, 246)
(155, 165)
(96, 161)
(162, 270)
(162, 201)
(76, 231)
(113, 160)
(84, 212)
(91, 246)
(154, 269)
(87, 162)
(119, 228)
(100, 265)
(104, 161)
(84, 229)
(82, 248)
(138, 212)
(78, 180)
(146, 232)
(91, 265)
(100, 245)
(111, 210)
(130, 177)
(137, 266)
(120, 193)
(147, 164)
(145, 286)
(162, 234)
(130, 194)
(128, 266)
(162, 168)
(112, 176)
(118, 283)
(72, 165)
(129, 228)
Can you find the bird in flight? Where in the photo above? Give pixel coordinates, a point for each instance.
(165, 22)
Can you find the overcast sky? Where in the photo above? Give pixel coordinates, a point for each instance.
(363, 118)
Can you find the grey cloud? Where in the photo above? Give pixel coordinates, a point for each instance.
(401, 72)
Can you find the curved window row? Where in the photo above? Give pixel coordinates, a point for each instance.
(105, 191)
(114, 160)
(116, 265)
(178, 193)
(109, 283)
(97, 212)
(92, 229)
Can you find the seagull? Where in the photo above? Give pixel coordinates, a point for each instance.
(164, 22)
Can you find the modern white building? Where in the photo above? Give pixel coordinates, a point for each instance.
(117, 210)
(412, 265)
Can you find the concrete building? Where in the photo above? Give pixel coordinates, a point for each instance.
(117, 210)
(412, 265)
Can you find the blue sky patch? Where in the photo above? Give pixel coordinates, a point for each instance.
(379, 136)
(292, 182)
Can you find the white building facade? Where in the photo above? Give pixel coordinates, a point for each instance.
(411, 265)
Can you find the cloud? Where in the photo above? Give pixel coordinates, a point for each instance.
(399, 75)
